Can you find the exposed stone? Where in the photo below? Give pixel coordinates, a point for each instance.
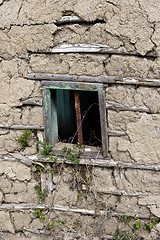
(78, 33)
(36, 224)
(1, 197)
(150, 9)
(21, 197)
(12, 82)
(21, 220)
(128, 66)
(155, 210)
(129, 21)
(138, 181)
(119, 120)
(5, 184)
(25, 195)
(15, 170)
(18, 187)
(155, 68)
(32, 116)
(37, 12)
(131, 96)
(66, 195)
(149, 200)
(21, 39)
(5, 222)
(142, 145)
(10, 143)
(4, 131)
(30, 151)
(69, 64)
(103, 179)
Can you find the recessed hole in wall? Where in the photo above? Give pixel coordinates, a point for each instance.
(66, 116)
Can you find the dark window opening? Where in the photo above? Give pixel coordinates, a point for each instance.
(68, 104)
(67, 120)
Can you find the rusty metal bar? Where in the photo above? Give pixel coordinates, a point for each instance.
(78, 117)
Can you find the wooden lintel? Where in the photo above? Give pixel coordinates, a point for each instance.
(103, 79)
(72, 85)
(92, 48)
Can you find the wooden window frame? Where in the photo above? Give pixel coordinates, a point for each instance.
(50, 113)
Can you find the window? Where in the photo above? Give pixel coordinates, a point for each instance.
(75, 112)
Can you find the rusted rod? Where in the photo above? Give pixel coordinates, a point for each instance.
(78, 117)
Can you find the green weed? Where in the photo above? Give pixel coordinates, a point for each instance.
(79, 197)
(38, 213)
(52, 225)
(41, 194)
(70, 155)
(46, 149)
(24, 138)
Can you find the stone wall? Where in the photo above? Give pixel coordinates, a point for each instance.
(117, 43)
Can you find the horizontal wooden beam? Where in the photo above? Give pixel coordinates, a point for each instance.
(36, 127)
(103, 79)
(21, 127)
(69, 19)
(22, 207)
(115, 133)
(92, 48)
(99, 162)
(32, 101)
(120, 107)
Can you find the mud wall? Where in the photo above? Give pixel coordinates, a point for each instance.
(113, 42)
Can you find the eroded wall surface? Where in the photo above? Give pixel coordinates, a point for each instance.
(92, 198)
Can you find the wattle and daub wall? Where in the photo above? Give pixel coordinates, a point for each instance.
(116, 43)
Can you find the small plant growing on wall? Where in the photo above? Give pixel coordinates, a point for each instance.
(38, 213)
(71, 155)
(45, 149)
(41, 194)
(23, 140)
(134, 225)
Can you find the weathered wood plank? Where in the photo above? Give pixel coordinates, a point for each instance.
(69, 19)
(116, 133)
(120, 107)
(105, 162)
(92, 48)
(103, 122)
(32, 101)
(21, 127)
(46, 180)
(104, 79)
(72, 85)
(83, 211)
(87, 161)
(50, 118)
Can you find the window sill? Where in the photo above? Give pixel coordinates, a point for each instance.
(87, 152)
